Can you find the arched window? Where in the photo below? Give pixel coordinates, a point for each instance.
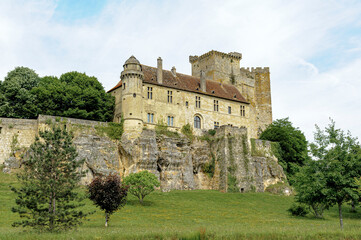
(197, 122)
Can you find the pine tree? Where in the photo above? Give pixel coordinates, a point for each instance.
(47, 199)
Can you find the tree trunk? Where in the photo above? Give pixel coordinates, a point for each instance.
(141, 200)
(353, 206)
(340, 214)
(106, 219)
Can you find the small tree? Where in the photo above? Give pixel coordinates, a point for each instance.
(108, 194)
(336, 152)
(141, 184)
(46, 197)
(310, 186)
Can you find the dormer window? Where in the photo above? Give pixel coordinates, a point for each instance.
(213, 91)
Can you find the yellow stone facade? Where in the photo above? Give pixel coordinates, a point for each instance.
(219, 92)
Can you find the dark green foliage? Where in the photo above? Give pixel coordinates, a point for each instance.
(16, 98)
(141, 184)
(108, 194)
(212, 132)
(24, 95)
(74, 95)
(46, 197)
(310, 186)
(298, 210)
(292, 146)
(187, 131)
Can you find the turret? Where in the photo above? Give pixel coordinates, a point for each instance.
(132, 85)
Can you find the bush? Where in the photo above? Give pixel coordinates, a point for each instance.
(299, 210)
(141, 184)
(187, 131)
(162, 129)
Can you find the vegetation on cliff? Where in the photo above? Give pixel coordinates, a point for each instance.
(292, 151)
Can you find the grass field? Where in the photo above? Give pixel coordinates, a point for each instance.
(193, 215)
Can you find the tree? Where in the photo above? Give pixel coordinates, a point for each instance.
(47, 198)
(16, 99)
(310, 184)
(141, 184)
(338, 154)
(293, 151)
(74, 95)
(108, 194)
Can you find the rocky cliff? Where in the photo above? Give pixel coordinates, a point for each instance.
(227, 161)
(223, 162)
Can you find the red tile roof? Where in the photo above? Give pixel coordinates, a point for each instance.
(190, 84)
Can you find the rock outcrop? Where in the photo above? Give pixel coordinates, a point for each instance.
(227, 161)
(224, 162)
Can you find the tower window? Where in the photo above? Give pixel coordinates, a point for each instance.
(216, 125)
(150, 117)
(186, 103)
(229, 110)
(150, 93)
(170, 121)
(243, 111)
(123, 85)
(197, 122)
(215, 103)
(198, 102)
(170, 97)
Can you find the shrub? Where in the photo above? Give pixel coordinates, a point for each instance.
(162, 129)
(299, 210)
(187, 131)
(141, 184)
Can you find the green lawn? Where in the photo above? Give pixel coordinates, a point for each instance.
(188, 214)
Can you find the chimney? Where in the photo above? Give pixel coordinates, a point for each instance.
(160, 70)
(203, 81)
(174, 71)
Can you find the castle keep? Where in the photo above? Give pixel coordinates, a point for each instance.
(219, 92)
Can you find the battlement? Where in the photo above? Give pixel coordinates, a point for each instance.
(232, 55)
(255, 70)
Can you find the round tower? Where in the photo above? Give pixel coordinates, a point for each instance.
(132, 104)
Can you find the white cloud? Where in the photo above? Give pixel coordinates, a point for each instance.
(281, 34)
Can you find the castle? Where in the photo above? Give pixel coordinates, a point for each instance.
(219, 92)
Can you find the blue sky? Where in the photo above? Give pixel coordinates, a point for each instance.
(70, 11)
(313, 47)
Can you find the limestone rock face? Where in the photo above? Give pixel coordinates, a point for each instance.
(100, 154)
(180, 163)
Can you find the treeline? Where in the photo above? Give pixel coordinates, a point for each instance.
(23, 94)
(324, 173)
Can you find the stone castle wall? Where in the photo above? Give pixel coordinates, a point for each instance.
(17, 134)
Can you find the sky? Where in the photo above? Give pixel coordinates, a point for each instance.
(313, 47)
